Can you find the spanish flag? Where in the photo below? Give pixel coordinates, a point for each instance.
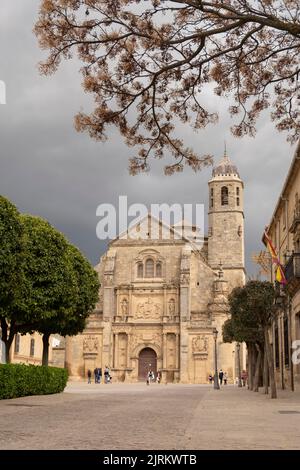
(279, 274)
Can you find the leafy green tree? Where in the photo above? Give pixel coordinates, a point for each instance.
(71, 321)
(11, 261)
(252, 311)
(46, 284)
(50, 284)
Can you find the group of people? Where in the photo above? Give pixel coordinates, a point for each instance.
(151, 377)
(98, 375)
(223, 377)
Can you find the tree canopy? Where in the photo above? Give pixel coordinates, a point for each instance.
(61, 286)
(11, 264)
(148, 64)
(252, 310)
(46, 284)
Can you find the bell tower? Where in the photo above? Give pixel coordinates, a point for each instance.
(226, 222)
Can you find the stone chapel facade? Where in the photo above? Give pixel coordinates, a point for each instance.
(160, 299)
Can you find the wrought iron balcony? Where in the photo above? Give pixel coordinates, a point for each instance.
(292, 269)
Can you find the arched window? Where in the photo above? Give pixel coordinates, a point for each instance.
(158, 270)
(32, 347)
(149, 268)
(224, 196)
(140, 270)
(211, 197)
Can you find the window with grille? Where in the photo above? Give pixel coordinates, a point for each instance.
(149, 268)
(276, 345)
(237, 196)
(224, 196)
(32, 347)
(17, 343)
(140, 270)
(212, 197)
(286, 340)
(158, 270)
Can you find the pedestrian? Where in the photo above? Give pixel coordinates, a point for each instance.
(221, 375)
(244, 377)
(210, 378)
(158, 378)
(106, 374)
(96, 374)
(89, 374)
(225, 378)
(149, 375)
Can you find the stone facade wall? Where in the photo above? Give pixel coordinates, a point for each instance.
(162, 297)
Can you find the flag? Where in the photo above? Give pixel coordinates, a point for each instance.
(279, 274)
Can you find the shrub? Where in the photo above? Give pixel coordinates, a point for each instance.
(20, 380)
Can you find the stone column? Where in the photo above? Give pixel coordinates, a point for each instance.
(116, 350)
(117, 313)
(130, 313)
(128, 365)
(164, 350)
(177, 351)
(165, 311)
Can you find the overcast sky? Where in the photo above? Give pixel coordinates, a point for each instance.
(49, 169)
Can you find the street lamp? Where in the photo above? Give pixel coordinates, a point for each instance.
(216, 378)
(238, 346)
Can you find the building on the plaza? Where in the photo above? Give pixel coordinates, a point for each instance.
(161, 298)
(28, 349)
(284, 231)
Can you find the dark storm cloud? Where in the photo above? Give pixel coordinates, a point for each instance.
(48, 169)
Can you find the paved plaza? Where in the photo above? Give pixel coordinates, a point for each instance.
(136, 416)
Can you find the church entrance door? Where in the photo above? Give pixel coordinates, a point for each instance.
(147, 361)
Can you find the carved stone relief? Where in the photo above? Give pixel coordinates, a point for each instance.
(200, 344)
(149, 309)
(108, 280)
(184, 278)
(124, 307)
(90, 344)
(148, 338)
(171, 307)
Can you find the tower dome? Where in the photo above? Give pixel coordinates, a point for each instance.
(225, 168)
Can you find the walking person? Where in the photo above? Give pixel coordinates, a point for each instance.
(225, 378)
(106, 374)
(210, 378)
(96, 374)
(149, 375)
(100, 374)
(221, 375)
(244, 377)
(89, 375)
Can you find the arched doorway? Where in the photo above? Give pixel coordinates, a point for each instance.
(147, 361)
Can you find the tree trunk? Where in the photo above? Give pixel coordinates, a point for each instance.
(266, 373)
(270, 364)
(46, 337)
(257, 369)
(7, 335)
(250, 366)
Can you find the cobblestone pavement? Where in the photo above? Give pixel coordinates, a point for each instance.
(134, 416)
